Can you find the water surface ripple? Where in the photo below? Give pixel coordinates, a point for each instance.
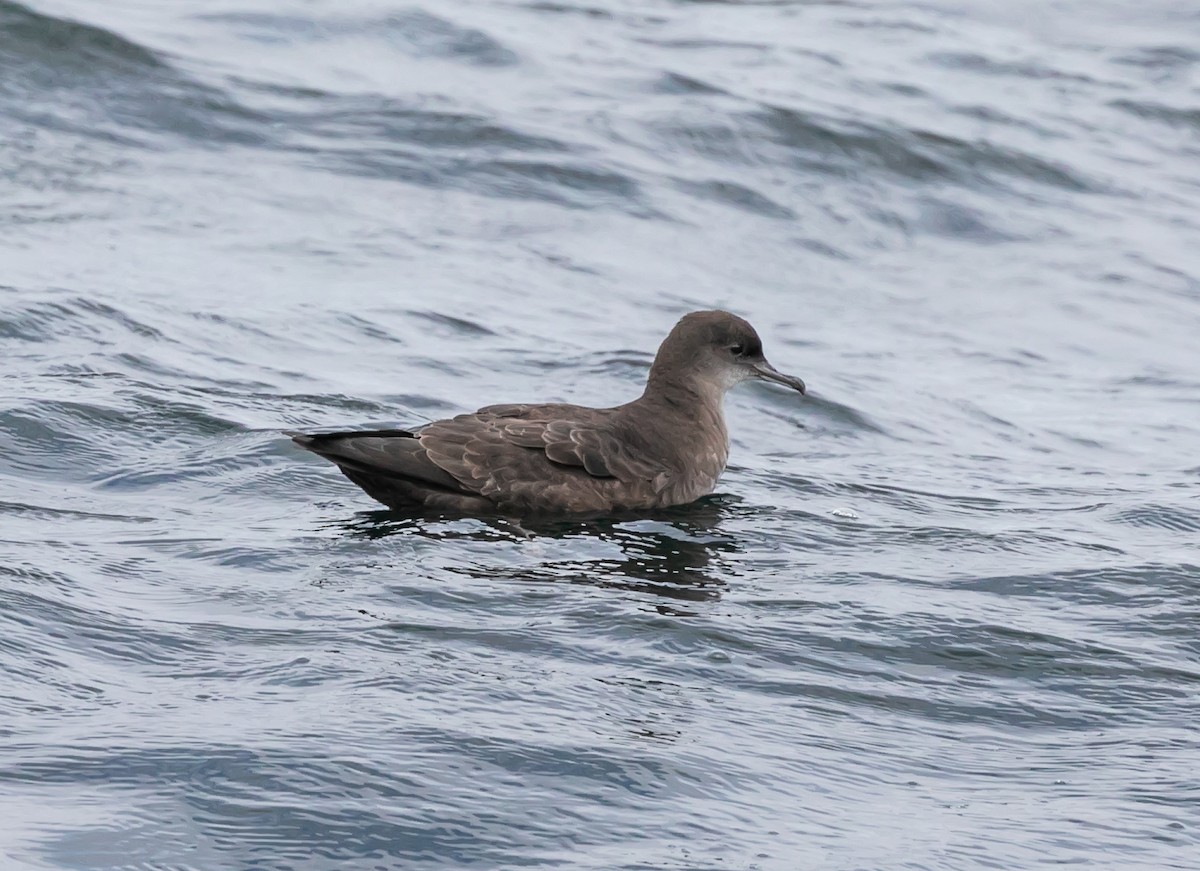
(940, 615)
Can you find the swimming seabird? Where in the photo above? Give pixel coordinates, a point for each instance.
(667, 447)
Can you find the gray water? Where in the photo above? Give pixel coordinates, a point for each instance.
(940, 614)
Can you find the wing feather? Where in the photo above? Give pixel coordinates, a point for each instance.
(501, 449)
(396, 453)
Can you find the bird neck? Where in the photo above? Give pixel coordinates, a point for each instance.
(699, 399)
(682, 421)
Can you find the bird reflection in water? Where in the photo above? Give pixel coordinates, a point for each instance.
(670, 553)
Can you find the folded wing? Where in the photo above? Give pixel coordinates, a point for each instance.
(542, 456)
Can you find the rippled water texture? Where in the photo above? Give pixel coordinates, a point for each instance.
(941, 614)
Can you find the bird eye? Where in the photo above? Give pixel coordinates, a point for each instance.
(738, 350)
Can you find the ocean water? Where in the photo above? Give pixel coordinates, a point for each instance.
(942, 613)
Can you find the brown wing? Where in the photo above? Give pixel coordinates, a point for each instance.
(506, 452)
(395, 453)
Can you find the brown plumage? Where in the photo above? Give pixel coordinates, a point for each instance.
(667, 447)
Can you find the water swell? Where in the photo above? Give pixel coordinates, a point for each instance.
(943, 608)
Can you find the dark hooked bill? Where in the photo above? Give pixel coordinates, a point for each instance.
(768, 372)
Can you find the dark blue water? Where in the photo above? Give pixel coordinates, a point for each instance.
(941, 614)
